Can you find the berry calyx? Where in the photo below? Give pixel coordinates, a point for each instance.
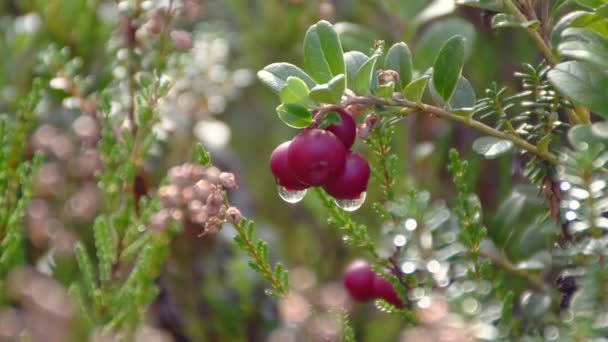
(279, 166)
(346, 130)
(358, 279)
(352, 181)
(316, 156)
(383, 289)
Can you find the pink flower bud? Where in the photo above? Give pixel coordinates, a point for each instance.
(233, 215)
(227, 180)
(182, 40)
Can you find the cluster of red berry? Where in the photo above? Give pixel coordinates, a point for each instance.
(322, 157)
(364, 285)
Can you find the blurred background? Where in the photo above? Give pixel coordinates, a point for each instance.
(208, 291)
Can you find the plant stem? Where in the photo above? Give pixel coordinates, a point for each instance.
(534, 34)
(465, 120)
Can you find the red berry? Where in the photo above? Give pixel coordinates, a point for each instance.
(346, 130)
(283, 175)
(358, 279)
(352, 181)
(383, 289)
(316, 156)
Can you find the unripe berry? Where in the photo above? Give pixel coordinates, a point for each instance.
(358, 279)
(383, 289)
(316, 156)
(352, 181)
(283, 175)
(346, 129)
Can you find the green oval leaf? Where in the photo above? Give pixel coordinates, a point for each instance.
(491, 147)
(582, 83)
(491, 5)
(502, 20)
(584, 45)
(330, 92)
(562, 24)
(353, 60)
(592, 3)
(591, 22)
(462, 99)
(363, 79)
(415, 89)
(323, 55)
(448, 67)
(294, 115)
(275, 76)
(399, 58)
(295, 91)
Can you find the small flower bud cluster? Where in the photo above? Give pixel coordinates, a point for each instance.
(371, 122)
(195, 196)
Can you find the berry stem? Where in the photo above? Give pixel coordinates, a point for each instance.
(465, 120)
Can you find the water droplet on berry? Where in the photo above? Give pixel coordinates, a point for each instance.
(351, 204)
(291, 196)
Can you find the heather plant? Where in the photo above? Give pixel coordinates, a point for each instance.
(126, 215)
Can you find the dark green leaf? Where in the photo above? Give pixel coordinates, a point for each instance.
(582, 83)
(585, 46)
(415, 89)
(331, 118)
(562, 24)
(330, 92)
(275, 75)
(323, 55)
(502, 20)
(534, 305)
(294, 115)
(363, 80)
(491, 147)
(463, 98)
(491, 5)
(581, 136)
(448, 67)
(399, 58)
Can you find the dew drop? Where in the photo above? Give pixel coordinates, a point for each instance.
(291, 196)
(351, 204)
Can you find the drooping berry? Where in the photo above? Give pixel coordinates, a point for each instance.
(358, 279)
(383, 289)
(346, 130)
(283, 175)
(352, 181)
(316, 156)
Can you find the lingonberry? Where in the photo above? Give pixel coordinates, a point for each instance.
(358, 279)
(352, 181)
(383, 289)
(283, 175)
(346, 129)
(316, 156)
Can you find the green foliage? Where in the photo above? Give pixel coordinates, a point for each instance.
(448, 67)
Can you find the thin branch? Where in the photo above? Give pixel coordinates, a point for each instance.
(465, 120)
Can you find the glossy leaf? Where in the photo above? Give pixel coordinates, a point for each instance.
(563, 23)
(581, 136)
(582, 83)
(399, 58)
(323, 55)
(448, 67)
(491, 147)
(275, 76)
(585, 46)
(592, 3)
(591, 22)
(294, 115)
(502, 20)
